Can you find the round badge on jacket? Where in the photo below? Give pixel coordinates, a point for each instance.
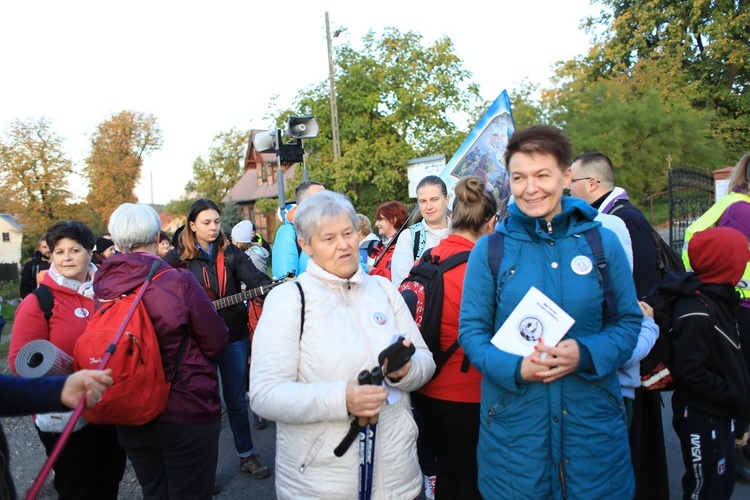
(379, 319)
(581, 265)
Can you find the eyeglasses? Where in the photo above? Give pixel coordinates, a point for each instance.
(582, 179)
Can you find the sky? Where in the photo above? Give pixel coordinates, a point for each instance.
(202, 68)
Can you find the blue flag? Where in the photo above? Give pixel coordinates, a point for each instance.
(481, 154)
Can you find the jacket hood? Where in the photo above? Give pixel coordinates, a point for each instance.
(576, 216)
(122, 273)
(688, 283)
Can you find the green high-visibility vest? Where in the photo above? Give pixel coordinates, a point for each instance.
(709, 219)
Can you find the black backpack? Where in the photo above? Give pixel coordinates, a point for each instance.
(655, 375)
(423, 293)
(667, 259)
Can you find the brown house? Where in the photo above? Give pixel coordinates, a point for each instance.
(258, 182)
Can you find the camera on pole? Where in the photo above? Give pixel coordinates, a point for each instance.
(288, 145)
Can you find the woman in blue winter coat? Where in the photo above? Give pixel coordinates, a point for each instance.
(554, 426)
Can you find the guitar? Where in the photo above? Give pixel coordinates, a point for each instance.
(253, 293)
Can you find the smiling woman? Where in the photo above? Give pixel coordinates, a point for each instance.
(569, 396)
(92, 462)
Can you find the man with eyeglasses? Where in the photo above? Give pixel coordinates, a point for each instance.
(593, 180)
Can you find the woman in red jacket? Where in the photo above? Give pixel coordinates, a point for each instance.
(390, 216)
(449, 403)
(92, 463)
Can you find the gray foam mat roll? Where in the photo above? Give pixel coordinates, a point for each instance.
(41, 358)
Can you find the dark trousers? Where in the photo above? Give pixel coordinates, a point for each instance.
(647, 451)
(173, 460)
(707, 444)
(425, 449)
(91, 464)
(453, 430)
(743, 325)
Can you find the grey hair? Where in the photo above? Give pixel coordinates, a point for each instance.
(134, 226)
(319, 209)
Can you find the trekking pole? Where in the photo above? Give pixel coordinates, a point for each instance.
(376, 378)
(364, 379)
(39, 481)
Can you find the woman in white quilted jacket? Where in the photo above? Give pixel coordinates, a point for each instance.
(310, 346)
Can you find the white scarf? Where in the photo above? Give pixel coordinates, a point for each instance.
(86, 288)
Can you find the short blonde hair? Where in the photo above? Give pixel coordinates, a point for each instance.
(364, 227)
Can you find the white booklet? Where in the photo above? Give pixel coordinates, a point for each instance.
(535, 317)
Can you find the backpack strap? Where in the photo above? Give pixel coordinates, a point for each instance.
(495, 249)
(420, 239)
(594, 239)
(221, 273)
(302, 309)
(45, 299)
(451, 262)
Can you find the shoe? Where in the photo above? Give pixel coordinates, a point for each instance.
(260, 422)
(253, 465)
(741, 467)
(429, 487)
(217, 488)
(746, 451)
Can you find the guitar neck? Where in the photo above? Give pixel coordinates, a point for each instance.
(253, 293)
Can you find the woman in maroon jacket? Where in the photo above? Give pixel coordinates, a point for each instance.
(449, 403)
(175, 455)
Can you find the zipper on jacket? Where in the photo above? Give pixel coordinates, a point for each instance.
(549, 227)
(490, 412)
(505, 278)
(562, 479)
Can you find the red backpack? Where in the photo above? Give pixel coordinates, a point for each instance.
(140, 390)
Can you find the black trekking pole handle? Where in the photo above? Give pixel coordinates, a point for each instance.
(364, 379)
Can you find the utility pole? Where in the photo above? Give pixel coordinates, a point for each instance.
(334, 109)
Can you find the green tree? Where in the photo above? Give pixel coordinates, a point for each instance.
(698, 48)
(114, 164)
(397, 99)
(33, 176)
(215, 175)
(637, 129)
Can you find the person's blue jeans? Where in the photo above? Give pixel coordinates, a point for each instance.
(233, 370)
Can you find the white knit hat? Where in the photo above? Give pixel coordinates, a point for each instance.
(242, 232)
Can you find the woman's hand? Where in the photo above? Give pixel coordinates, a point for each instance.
(401, 372)
(560, 360)
(529, 369)
(364, 400)
(646, 309)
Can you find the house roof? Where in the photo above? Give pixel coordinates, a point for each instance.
(247, 188)
(12, 220)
